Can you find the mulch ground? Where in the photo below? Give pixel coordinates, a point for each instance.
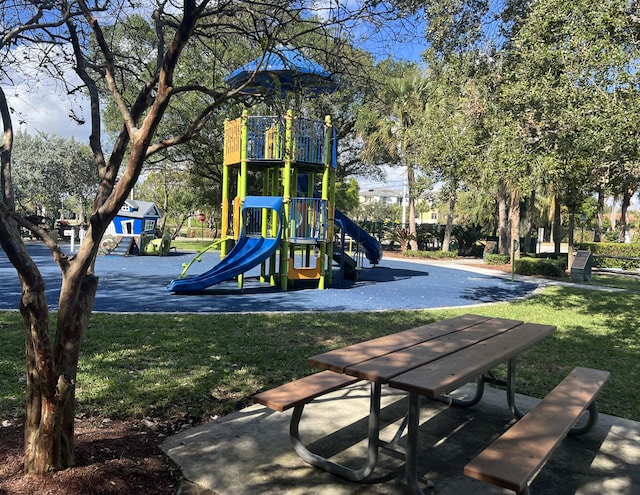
(113, 458)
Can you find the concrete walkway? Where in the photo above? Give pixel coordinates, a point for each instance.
(248, 452)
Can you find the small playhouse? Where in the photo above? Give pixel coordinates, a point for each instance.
(133, 230)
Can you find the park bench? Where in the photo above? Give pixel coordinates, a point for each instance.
(514, 459)
(303, 390)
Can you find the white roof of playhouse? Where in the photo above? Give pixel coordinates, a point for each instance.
(139, 209)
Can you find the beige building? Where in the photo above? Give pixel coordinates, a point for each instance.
(391, 196)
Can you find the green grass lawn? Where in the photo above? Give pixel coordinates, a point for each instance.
(630, 282)
(176, 367)
(190, 245)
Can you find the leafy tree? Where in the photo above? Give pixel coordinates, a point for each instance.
(476, 207)
(401, 235)
(50, 171)
(392, 132)
(148, 81)
(348, 195)
(571, 63)
(450, 130)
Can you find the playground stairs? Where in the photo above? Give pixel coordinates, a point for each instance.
(349, 265)
(125, 247)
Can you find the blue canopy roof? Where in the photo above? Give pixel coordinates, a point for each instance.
(283, 70)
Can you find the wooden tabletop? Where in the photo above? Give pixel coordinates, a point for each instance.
(435, 358)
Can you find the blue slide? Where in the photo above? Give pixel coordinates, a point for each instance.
(371, 245)
(246, 254)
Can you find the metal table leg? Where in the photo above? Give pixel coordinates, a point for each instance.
(579, 429)
(412, 445)
(477, 396)
(511, 389)
(333, 467)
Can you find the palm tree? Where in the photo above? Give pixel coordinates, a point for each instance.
(397, 132)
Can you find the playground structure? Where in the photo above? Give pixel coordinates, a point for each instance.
(289, 229)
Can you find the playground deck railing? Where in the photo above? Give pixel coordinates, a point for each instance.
(308, 220)
(266, 140)
(309, 141)
(254, 223)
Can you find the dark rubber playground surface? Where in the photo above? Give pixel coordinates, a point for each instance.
(138, 284)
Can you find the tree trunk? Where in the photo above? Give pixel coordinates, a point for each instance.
(597, 234)
(413, 232)
(570, 238)
(449, 227)
(624, 207)
(514, 220)
(411, 184)
(557, 225)
(530, 229)
(51, 374)
(612, 214)
(48, 446)
(503, 220)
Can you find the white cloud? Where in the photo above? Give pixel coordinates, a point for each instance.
(394, 179)
(41, 103)
(40, 109)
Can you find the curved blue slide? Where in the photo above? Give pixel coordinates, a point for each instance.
(371, 245)
(247, 253)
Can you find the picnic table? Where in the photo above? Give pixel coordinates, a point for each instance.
(429, 361)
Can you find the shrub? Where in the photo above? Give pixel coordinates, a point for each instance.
(467, 237)
(400, 235)
(497, 259)
(431, 254)
(545, 267)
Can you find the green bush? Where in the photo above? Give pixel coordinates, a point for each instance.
(601, 251)
(541, 266)
(467, 237)
(497, 259)
(431, 254)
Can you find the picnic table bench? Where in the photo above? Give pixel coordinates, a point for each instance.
(514, 459)
(431, 361)
(302, 391)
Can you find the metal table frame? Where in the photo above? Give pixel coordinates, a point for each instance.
(410, 424)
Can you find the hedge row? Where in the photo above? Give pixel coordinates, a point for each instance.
(430, 254)
(609, 254)
(545, 267)
(497, 259)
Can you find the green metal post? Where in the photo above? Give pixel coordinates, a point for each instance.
(286, 199)
(516, 246)
(225, 205)
(242, 179)
(329, 176)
